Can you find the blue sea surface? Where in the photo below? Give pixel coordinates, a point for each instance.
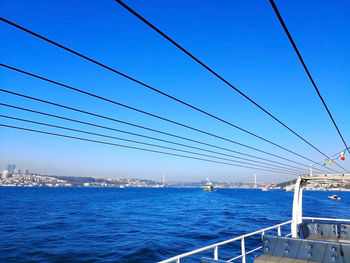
(141, 224)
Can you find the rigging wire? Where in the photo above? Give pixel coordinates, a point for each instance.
(210, 134)
(306, 69)
(164, 133)
(219, 76)
(172, 97)
(149, 129)
(149, 114)
(130, 147)
(142, 143)
(143, 136)
(153, 130)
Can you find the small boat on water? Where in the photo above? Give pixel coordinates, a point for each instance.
(208, 187)
(334, 197)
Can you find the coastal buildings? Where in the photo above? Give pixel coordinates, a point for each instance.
(22, 177)
(4, 174)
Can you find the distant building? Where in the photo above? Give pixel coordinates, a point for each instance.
(26, 171)
(11, 168)
(4, 174)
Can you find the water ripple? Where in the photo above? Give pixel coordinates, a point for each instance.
(138, 225)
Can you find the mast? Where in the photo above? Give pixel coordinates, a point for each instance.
(310, 169)
(255, 181)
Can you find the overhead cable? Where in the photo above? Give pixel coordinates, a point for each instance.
(154, 130)
(216, 74)
(149, 114)
(167, 95)
(131, 147)
(147, 144)
(158, 131)
(204, 132)
(145, 136)
(306, 69)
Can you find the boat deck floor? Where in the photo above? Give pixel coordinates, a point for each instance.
(276, 259)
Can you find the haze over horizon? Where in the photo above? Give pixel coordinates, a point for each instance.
(242, 41)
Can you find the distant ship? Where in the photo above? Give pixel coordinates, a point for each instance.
(208, 187)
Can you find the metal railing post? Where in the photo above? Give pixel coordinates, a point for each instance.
(279, 231)
(242, 238)
(243, 250)
(216, 253)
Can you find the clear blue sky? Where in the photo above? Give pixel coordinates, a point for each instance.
(241, 40)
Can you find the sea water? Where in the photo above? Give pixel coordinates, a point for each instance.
(141, 224)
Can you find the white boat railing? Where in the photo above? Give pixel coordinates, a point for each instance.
(242, 238)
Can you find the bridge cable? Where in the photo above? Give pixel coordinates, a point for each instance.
(306, 70)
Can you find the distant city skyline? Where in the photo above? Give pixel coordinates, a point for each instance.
(161, 178)
(12, 176)
(242, 41)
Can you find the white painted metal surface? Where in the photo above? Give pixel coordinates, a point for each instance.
(298, 193)
(241, 238)
(297, 207)
(243, 250)
(213, 246)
